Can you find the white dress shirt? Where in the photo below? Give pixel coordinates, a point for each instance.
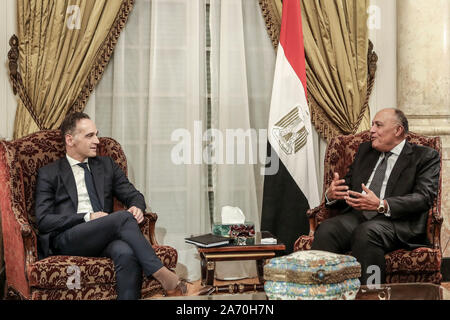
(389, 166)
(84, 202)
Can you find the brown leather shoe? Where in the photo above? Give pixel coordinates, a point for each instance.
(185, 288)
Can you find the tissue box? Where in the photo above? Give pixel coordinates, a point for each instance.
(312, 275)
(242, 234)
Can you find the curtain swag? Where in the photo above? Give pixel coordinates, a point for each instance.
(61, 50)
(271, 11)
(340, 61)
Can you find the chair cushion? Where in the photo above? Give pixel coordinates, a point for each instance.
(419, 260)
(422, 259)
(53, 272)
(150, 287)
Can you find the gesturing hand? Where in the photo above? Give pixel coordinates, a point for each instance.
(137, 213)
(337, 190)
(363, 202)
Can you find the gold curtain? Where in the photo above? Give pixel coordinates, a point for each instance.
(63, 47)
(336, 42)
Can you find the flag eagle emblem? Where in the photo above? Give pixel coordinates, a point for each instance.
(290, 131)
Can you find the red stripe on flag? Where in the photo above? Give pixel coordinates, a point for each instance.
(291, 38)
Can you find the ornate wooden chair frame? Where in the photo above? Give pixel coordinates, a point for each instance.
(50, 278)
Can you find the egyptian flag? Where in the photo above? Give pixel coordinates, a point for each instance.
(292, 189)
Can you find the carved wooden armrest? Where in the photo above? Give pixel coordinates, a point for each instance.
(150, 220)
(29, 241)
(437, 221)
(26, 230)
(313, 215)
(151, 216)
(436, 216)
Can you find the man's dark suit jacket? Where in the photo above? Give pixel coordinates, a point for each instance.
(410, 190)
(57, 198)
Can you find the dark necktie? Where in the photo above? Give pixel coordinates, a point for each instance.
(95, 202)
(377, 182)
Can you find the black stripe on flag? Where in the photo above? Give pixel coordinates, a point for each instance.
(284, 205)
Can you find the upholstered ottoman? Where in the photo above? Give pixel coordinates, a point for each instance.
(312, 275)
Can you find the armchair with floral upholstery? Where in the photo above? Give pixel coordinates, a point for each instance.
(30, 278)
(419, 265)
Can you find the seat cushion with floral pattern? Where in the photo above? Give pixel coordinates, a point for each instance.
(54, 271)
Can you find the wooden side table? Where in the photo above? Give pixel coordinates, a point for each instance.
(258, 252)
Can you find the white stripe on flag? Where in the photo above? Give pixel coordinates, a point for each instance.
(288, 93)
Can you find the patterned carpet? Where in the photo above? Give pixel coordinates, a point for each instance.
(197, 284)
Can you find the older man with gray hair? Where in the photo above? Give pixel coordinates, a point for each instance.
(383, 199)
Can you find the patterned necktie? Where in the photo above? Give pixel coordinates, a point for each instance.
(377, 182)
(95, 202)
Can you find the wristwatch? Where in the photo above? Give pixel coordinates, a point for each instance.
(381, 208)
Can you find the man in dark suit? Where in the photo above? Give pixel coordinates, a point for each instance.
(74, 211)
(384, 198)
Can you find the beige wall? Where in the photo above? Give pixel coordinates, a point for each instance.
(423, 80)
(382, 26)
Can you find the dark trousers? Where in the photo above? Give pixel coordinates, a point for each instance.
(116, 236)
(368, 240)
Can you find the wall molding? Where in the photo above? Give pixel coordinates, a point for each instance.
(431, 131)
(428, 116)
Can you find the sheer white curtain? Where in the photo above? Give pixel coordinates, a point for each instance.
(320, 147)
(177, 100)
(242, 65)
(154, 85)
(8, 101)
